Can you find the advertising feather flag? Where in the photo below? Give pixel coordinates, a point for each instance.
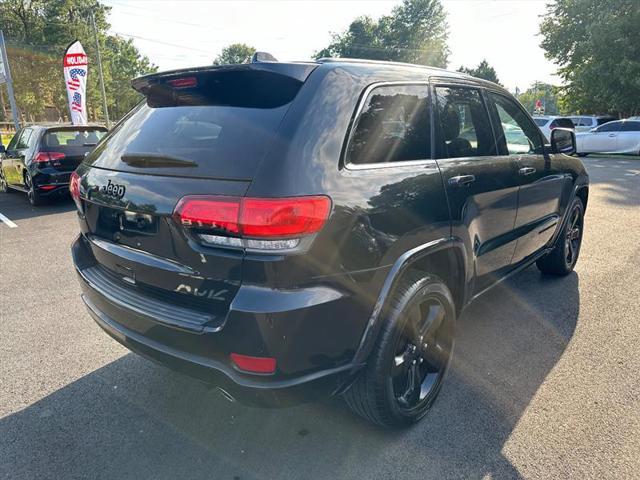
(75, 78)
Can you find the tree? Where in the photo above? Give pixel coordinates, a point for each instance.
(549, 95)
(483, 70)
(37, 33)
(416, 32)
(234, 53)
(594, 42)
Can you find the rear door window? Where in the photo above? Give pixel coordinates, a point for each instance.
(630, 127)
(23, 140)
(562, 123)
(393, 126)
(220, 126)
(464, 126)
(541, 122)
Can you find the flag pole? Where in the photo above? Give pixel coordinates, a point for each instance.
(104, 94)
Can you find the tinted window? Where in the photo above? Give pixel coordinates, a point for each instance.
(519, 135)
(23, 141)
(585, 122)
(219, 125)
(630, 127)
(610, 127)
(603, 120)
(562, 123)
(541, 122)
(14, 140)
(465, 130)
(392, 127)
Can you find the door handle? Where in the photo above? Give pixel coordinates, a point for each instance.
(461, 180)
(612, 134)
(526, 171)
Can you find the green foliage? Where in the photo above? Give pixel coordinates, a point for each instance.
(415, 32)
(483, 70)
(549, 95)
(595, 44)
(38, 32)
(234, 53)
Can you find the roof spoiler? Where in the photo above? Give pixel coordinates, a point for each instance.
(298, 71)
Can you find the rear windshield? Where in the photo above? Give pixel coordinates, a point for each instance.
(218, 129)
(64, 140)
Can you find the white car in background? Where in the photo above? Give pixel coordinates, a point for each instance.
(585, 123)
(548, 123)
(619, 136)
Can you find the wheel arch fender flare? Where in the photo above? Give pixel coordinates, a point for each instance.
(400, 267)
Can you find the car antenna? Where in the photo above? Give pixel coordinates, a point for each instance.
(262, 57)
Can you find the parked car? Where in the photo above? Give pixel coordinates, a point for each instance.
(619, 136)
(548, 123)
(291, 230)
(585, 123)
(39, 159)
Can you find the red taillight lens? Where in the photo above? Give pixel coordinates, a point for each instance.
(74, 189)
(262, 221)
(254, 364)
(283, 218)
(46, 157)
(209, 212)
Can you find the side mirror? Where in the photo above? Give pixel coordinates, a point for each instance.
(563, 140)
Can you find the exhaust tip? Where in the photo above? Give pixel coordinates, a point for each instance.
(226, 395)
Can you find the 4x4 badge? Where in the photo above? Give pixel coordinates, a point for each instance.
(113, 190)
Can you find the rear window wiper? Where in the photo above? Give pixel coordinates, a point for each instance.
(156, 160)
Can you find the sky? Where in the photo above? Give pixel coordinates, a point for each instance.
(184, 33)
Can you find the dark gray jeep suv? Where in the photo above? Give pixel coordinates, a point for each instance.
(290, 230)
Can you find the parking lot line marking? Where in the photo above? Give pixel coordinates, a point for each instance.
(7, 222)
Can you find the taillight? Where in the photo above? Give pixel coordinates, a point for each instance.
(253, 223)
(51, 158)
(74, 189)
(184, 82)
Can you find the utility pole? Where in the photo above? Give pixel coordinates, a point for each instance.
(104, 94)
(5, 77)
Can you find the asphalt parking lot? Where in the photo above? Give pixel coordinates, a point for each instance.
(545, 381)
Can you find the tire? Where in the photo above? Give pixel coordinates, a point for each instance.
(387, 391)
(33, 195)
(4, 187)
(562, 259)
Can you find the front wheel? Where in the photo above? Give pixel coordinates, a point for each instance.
(406, 368)
(562, 259)
(4, 186)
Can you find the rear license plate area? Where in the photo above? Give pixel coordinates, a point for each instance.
(140, 223)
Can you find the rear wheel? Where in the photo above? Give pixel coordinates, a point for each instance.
(409, 361)
(34, 196)
(562, 259)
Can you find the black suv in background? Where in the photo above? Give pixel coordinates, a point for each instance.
(290, 230)
(39, 159)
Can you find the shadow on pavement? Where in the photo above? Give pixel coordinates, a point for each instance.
(133, 419)
(617, 179)
(17, 207)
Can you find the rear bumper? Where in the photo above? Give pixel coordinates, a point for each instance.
(51, 182)
(205, 355)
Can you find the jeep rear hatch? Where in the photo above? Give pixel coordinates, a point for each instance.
(198, 133)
